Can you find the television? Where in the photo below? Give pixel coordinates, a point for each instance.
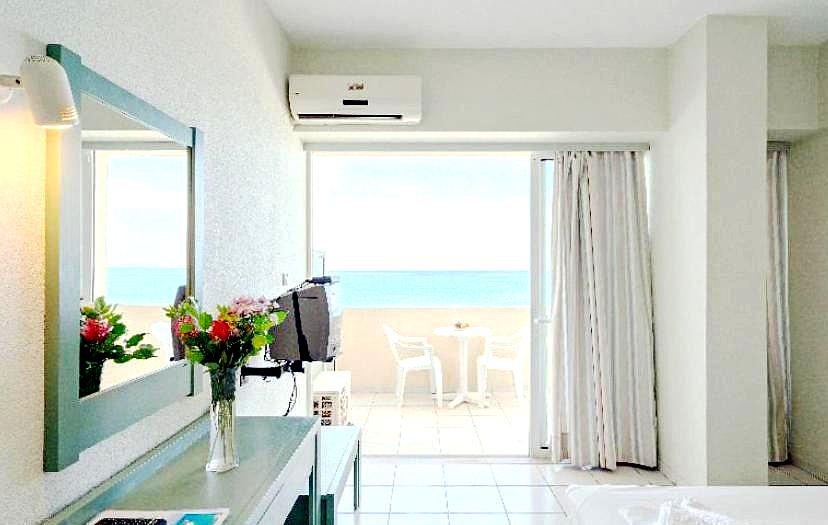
(311, 331)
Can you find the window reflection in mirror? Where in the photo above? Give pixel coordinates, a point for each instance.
(135, 238)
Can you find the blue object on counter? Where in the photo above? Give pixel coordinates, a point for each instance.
(198, 519)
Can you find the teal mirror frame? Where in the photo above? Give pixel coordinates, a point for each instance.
(73, 424)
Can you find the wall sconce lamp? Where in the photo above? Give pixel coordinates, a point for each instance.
(48, 90)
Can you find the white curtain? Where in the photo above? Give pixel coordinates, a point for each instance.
(779, 379)
(601, 398)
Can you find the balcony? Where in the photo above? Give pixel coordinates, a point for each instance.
(418, 426)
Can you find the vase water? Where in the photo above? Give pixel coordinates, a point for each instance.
(223, 450)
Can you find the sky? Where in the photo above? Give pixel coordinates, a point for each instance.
(146, 214)
(421, 212)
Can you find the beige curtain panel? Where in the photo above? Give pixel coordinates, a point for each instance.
(601, 399)
(779, 375)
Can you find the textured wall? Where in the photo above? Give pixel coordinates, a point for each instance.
(808, 226)
(218, 66)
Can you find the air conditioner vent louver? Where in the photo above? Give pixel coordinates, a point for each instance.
(330, 99)
(313, 116)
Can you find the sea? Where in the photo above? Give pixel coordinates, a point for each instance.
(357, 289)
(139, 286)
(418, 289)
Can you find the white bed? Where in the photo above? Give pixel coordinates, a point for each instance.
(602, 505)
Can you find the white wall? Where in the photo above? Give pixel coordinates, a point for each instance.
(679, 251)
(218, 66)
(822, 75)
(737, 248)
(808, 237)
(559, 90)
(797, 91)
(708, 191)
(792, 88)
(529, 90)
(808, 240)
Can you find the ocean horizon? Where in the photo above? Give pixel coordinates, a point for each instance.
(430, 289)
(140, 286)
(357, 289)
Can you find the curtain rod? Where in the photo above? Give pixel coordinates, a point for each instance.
(778, 145)
(470, 147)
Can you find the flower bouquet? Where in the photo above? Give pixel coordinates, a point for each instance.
(100, 332)
(223, 344)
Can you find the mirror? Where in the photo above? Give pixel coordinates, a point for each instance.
(134, 242)
(124, 221)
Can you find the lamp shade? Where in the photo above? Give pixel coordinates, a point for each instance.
(49, 93)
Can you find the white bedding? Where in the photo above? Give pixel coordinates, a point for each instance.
(606, 505)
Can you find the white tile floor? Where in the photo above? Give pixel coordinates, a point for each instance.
(791, 475)
(454, 491)
(408, 477)
(419, 428)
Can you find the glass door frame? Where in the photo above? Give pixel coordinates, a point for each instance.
(538, 436)
(539, 308)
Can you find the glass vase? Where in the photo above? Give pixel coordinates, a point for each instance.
(223, 450)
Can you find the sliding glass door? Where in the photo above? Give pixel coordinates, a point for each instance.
(542, 171)
(431, 247)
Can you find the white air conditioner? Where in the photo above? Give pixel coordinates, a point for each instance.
(353, 99)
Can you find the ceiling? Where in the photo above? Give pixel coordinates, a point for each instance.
(531, 23)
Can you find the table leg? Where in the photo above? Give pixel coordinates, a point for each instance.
(313, 487)
(463, 395)
(357, 475)
(463, 388)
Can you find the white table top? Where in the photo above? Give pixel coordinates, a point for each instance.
(471, 331)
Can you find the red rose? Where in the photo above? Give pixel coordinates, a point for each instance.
(220, 330)
(94, 331)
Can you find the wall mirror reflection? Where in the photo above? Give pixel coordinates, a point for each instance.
(134, 246)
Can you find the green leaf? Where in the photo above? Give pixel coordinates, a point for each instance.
(89, 312)
(259, 341)
(186, 328)
(144, 351)
(134, 340)
(194, 355)
(100, 304)
(205, 320)
(118, 330)
(281, 315)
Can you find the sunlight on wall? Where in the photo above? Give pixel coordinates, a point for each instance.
(22, 208)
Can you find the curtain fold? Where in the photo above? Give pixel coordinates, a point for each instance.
(602, 401)
(779, 380)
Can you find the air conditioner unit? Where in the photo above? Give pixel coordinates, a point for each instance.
(353, 99)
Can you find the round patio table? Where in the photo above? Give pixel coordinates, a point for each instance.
(463, 335)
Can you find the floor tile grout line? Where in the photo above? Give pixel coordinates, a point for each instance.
(502, 501)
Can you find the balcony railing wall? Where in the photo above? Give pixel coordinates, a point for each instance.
(366, 354)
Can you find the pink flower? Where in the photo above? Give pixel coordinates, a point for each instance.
(177, 327)
(94, 330)
(246, 305)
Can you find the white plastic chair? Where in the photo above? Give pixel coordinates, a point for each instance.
(505, 353)
(413, 354)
